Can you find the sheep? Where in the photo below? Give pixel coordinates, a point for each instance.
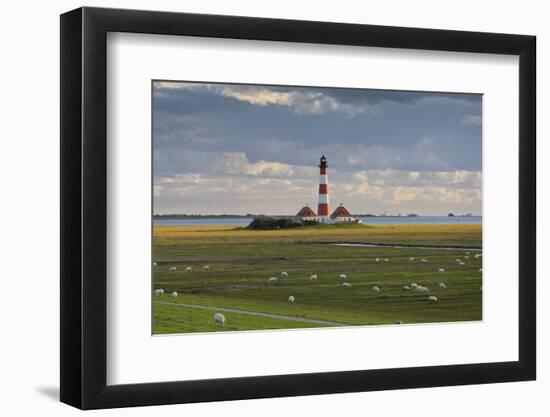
(174, 294)
(442, 285)
(420, 288)
(272, 280)
(467, 253)
(432, 299)
(375, 289)
(343, 276)
(411, 259)
(154, 264)
(158, 291)
(458, 260)
(441, 270)
(291, 299)
(424, 260)
(480, 269)
(206, 267)
(313, 277)
(188, 269)
(219, 319)
(414, 285)
(346, 285)
(461, 263)
(377, 259)
(466, 257)
(284, 274)
(406, 288)
(172, 269)
(477, 255)
(386, 260)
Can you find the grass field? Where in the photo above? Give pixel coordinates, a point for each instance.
(241, 261)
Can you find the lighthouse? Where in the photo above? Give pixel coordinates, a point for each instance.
(322, 208)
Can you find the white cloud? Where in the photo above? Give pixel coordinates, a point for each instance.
(471, 120)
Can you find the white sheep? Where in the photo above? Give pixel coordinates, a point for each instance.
(206, 267)
(461, 263)
(313, 277)
(442, 285)
(343, 276)
(424, 260)
(172, 269)
(411, 259)
(406, 288)
(272, 280)
(477, 255)
(386, 260)
(284, 274)
(158, 291)
(420, 288)
(414, 285)
(188, 269)
(441, 270)
(219, 319)
(432, 299)
(174, 294)
(346, 285)
(375, 289)
(154, 264)
(458, 260)
(466, 257)
(377, 259)
(480, 269)
(291, 299)
(467, 253)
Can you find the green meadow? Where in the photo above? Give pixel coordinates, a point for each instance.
(240, 262)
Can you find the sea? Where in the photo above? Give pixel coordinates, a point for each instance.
(245, 221)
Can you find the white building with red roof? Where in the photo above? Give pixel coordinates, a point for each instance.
(341, 214)
(306, 213)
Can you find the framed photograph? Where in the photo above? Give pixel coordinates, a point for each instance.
(257, 208)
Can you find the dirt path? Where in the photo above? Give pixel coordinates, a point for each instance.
(256, 313)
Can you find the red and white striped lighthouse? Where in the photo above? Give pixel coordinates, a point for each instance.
(323, 210)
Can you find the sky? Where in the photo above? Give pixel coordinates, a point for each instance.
(238, 149)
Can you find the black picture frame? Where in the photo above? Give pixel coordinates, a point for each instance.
(84, 207)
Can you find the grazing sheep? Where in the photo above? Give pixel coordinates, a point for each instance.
(442, 285)
(420, 288)
(375, 289)
(411, 259)
(346, 284)
(188, 269)
(424, 260)
(467, 253)
(406, 288)
(272, 280)
(480, 269)
(174, 294)
(343, 276)
(461, 263)
(386, 260)
(172, 269)
(458, 260)
(219, 319)
(398, 322)
(414, 285)
(206, 267)
(158, 292)
(477, 255)
(154, 264)
(291, 299)
(441, 270)
(432, 299)
(313, 277)
(377, 259)
(284, 274)
(466, 257)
